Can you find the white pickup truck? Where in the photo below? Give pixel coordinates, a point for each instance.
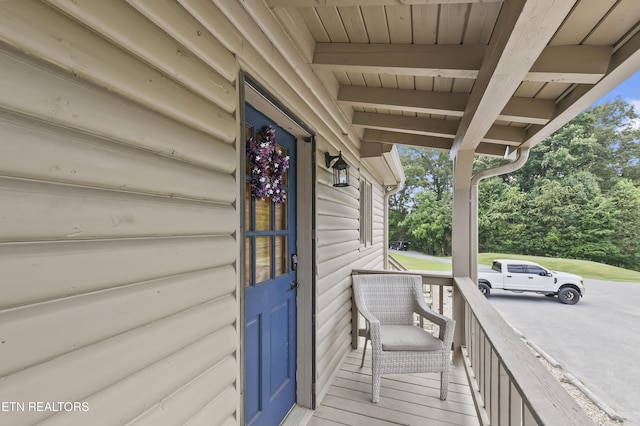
(521, 276)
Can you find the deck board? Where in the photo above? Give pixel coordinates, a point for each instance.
(405, 399)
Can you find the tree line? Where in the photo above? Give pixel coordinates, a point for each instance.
(577, 196)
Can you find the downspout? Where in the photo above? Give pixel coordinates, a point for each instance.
(388, 194)
(521, 157)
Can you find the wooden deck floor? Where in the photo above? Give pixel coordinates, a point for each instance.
(405, 399)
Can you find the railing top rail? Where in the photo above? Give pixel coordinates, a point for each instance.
(548, 402)
(443, 279)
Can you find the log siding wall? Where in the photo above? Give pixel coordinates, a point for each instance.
(117, 219)
(339, 253)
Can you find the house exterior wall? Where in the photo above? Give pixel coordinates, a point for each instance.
(117, 220)
(120, 152)
(339, 252)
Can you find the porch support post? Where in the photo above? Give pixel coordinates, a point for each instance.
(462, 237)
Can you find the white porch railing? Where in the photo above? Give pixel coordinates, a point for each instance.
(509, 384)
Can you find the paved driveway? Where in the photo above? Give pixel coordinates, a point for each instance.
(596, 340)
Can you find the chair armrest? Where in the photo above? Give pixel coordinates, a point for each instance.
(373, 326)
(446, 325)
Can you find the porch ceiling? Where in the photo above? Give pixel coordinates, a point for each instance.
(482, 75)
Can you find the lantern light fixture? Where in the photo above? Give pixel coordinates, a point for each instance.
(340, 169)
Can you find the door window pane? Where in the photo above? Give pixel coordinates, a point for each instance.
(282, 257)
(281, 216)
(248, 271)
(263, 259)
(247, 207)
(263, 215)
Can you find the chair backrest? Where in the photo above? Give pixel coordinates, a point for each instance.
(389, 298)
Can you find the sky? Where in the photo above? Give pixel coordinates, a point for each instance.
(629, 91)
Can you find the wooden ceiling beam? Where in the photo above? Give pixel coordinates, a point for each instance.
(383, 136)
(451, 61)
(522, 32)
(526, 110)
(506, 135)
(377, 142)
(443, 103)
(571, 64)
(404, 124)
(492, 149)
(374, 149)
(521, 110)
(336, 3)
(558, 64)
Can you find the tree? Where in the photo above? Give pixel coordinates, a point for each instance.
(501, 221)
(626, 224)
(425, 170)
(602, 140)
(430, 224)
(577, 196)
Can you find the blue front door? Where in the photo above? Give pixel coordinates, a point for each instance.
(270, 283)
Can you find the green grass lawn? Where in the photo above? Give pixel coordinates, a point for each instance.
(585, 268)
(413, 263)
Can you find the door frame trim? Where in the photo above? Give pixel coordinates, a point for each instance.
(252, 92)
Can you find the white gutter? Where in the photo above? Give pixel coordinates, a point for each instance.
(521, 157)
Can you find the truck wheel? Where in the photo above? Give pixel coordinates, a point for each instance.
(569, 296)
(484, 289)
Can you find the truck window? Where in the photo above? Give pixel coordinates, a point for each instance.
(496, 266)
(516, 269)
(536, 270)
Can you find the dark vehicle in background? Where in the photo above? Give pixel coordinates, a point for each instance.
(399, 245)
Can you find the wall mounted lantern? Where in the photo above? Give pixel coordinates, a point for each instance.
(340, 169)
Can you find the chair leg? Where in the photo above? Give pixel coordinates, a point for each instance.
(375, 384)
(364, 351)
(444, 384)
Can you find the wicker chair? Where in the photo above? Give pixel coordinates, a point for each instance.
(388, 303)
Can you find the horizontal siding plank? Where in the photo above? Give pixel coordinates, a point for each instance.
(36, 28)
(327, 238)
(84, 320)
(35, 272)
(337, 250)
(331, 319)
(337, 223)
(154, 382)
(115, 21)
(218, 411)
(330, 362)
(80, 213)
(183, 27)
(176, 409)
(333, 349)
(330, 193)
(30, 89)
(373, 260)
(327, 294)
(329, 208)
(336, 264)
(33, 150)
(325, 180)
(144, 346)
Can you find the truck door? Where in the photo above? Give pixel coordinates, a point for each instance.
(515, 277)
(539, 278)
